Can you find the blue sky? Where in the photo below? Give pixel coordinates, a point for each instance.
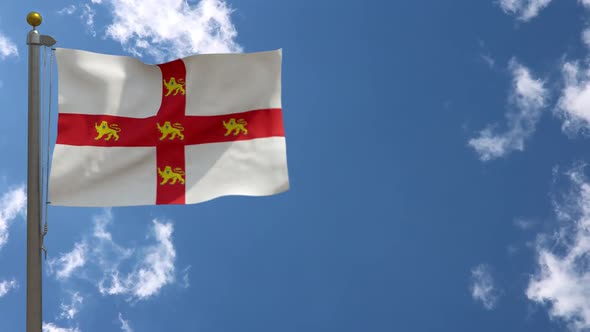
(437, 156)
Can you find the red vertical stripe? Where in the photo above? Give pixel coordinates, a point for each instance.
(170, 152)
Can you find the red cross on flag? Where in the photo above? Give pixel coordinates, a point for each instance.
(181, 132)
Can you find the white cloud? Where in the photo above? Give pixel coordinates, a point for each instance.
(574, 103)
(524, 224)
(154, 270)
(6, 286)
(86, 15)
(100, 226)
(563, 279)
(157, 268)
(185, 277)
(114, 286)
(69, 311)
(51, 327)
(7, 47)
(138, 273)
(99, 250)
(586, 37)
(168, 29)
(512, 249)
(529, 97)
(69, 10)
(106, 253)
(125, 327)
(524, 9)
(489, 145)
(488, 60)
(12, 204)
(67, 263)
(482, 286)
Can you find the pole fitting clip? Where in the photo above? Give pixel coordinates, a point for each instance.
(43, 240)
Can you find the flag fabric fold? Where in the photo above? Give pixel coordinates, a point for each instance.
(181, 132)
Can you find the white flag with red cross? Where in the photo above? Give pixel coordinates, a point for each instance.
(181, 132)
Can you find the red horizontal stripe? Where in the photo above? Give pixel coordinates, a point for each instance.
(79, 129)
(210, 129)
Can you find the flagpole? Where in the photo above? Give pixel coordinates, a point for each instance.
(34, 293)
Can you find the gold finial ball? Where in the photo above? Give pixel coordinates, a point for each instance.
(34, 19)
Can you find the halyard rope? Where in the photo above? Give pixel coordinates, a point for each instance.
(47, 128)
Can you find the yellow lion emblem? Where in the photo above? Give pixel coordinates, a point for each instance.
(235, 126)
(169, 174)
(174, 86)
(173, 130)
(107, 129)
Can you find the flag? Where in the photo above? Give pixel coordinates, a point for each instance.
(181, 132)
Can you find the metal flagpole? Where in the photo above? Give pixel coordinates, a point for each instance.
(34, 307)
